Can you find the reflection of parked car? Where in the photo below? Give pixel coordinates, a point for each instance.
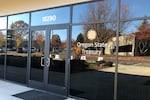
(21, 50)
(33, 49)
(57, 50)
(13, 49)
(24, 49)
(1, 50)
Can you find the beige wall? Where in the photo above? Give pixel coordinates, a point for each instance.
(17, 6)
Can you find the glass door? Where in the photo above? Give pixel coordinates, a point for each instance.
(58, 58)
(49, 59)
(37, 54)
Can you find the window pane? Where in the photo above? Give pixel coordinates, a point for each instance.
(89, 60)
(18, 21)
(58, 51)
(95, 12)
(17, 46)
(51, 16)
(134, 58)
(135, 8)
(37, 50)
(3, 22)
(2, 52)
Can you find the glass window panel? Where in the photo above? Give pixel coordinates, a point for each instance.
(17, 45)
(58, 50)
(18, 21)
(51, 16)
(131, 26)
(95, 12)
(133, 64)
(37, 50)
(3, 22)
(89, 63)
(135, 8)
(2, 52)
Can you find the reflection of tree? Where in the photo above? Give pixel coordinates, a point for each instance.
(2, 39)
(63, 45)
(100, 12)
(40, 39)
(144, 27)
(20, 31)
(55, 42)
(143, 38)
(77, 50)
(80, 38)
(18, 41)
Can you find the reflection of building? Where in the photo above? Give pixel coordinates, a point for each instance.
(135, 44)
(126, 45)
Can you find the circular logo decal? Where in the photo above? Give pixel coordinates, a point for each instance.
(91, 34)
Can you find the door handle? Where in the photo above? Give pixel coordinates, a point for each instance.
(48, 61)
(42, 60)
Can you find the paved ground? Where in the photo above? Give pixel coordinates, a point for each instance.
(14, 91)
(7, 89)
(142, 69)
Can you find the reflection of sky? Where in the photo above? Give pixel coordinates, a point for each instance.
(3, 21)
(62, 34)
(24, 17)
(133, 26)
(3, 33)
(76, 30)
(137, 8)
(78, 12)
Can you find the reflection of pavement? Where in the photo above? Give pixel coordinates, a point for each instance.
(135, 69)
(14, 53)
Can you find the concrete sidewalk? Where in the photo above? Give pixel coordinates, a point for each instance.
(14, 91)
(7, 89)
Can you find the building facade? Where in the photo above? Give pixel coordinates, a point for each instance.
(64, 47)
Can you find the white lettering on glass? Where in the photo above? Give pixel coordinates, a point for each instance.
(49, 18)
(95, 44)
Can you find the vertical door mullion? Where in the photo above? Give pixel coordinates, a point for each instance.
(29, 56)
(46, 55)
(67, 65)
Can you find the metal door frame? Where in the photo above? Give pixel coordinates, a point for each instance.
(44, 85)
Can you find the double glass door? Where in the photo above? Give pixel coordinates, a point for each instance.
(49, 61)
